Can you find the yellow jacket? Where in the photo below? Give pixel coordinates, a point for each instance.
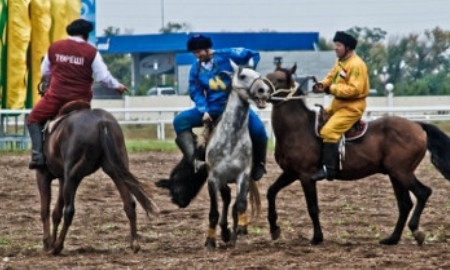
(348, 82)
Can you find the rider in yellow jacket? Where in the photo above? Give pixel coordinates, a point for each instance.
(348, 82)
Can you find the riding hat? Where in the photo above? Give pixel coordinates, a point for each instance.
(346, 39)
(198, 42)
(80, 27)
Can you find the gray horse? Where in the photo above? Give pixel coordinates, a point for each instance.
(229, 155)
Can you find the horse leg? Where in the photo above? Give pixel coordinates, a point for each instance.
(422, 194)
(69, 189)
(44, 187)
(213, 214)
(309, 188)
(240, 206)
(225, 193)
(404, 205)
(282, 181)
(58, 211)
(129, 206)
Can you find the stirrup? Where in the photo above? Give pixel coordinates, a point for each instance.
(37, 163)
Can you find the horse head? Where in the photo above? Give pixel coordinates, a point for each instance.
(250, 85)
(284, 83)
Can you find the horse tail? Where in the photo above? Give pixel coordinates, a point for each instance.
(114, 165)
(438, 144)
(255, 199)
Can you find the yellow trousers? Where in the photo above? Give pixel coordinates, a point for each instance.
(341, 121)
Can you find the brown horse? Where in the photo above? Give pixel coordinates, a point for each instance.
(392, 145)
(77, 144)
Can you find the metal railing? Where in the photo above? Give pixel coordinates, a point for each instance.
(13, 132)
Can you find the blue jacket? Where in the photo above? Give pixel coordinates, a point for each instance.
(209, 88)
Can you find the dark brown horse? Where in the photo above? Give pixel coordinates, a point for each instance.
(77, 144)
(393, 146)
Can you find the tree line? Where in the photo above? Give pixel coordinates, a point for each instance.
(416, 64)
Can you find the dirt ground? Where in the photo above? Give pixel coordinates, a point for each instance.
(354, 216)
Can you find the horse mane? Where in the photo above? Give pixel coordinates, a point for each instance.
(76, 105)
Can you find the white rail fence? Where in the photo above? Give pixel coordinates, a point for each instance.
(13, 131)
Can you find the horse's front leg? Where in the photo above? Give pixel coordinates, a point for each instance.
(225, 193)
(310, 191)
(282, 181)
(213, 214)
(44, 187)
(240, 206)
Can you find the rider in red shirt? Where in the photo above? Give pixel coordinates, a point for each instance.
(71, 65)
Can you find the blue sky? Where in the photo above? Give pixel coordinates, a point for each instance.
(397, 17)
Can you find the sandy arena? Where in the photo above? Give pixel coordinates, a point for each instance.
(354, 216)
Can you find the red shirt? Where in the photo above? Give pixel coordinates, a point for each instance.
(71, 69)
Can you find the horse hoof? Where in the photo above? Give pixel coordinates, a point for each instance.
(389, 241)
(48, 248)
(241, 230)
(419, 236)
(232, 242)
(56, 251)
(226, 235)
(316, 241)
(136, 248)
(210, 243)
(275, 234)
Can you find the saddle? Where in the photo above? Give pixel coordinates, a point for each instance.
(355, 132)
(65, 111)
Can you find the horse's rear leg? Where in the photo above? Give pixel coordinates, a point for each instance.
(282, 181)
(69, 190)
(405, 205)
(213, 215)
(129, 206)
(58, 211)
(225, 193)
(44, 187)
(422, 194)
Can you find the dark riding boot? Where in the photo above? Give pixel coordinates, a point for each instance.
(37, 157)
(259, 160)
(329, 160)
(185, 141)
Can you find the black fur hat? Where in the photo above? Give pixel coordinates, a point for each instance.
(80, 27)
(346, 39)
(199, 42)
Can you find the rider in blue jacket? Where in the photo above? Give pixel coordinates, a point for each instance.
(209, 89)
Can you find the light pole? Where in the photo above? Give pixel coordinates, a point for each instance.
(155, 70)
(389, 87)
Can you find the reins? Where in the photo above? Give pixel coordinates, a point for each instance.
(290, 93)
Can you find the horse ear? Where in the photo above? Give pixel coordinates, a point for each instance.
(251, 63)
(293, 68)
(234, 66)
